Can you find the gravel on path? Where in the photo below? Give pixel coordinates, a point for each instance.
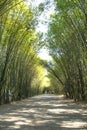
(43, 112)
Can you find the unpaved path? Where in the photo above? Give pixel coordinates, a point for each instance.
(44, 112)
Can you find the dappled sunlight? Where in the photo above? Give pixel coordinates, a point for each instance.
(62, 111)
(41, 112)
(73, 124)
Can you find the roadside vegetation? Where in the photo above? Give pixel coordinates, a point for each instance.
(67, 44)
(22, 72)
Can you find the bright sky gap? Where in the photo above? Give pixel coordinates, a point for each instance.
(43, 25)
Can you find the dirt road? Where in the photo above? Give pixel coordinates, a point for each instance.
(44, 112)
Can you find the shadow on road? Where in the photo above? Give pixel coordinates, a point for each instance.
(44, 112)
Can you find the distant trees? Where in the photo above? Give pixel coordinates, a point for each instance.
(67, 43)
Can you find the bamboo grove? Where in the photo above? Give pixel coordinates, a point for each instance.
(20, 70)
(67, 44)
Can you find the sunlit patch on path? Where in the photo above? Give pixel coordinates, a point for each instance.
(44, 112)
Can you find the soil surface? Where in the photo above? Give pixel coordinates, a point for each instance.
(44, 112)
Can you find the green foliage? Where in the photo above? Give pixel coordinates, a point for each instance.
(19, 75)
(67, 44)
